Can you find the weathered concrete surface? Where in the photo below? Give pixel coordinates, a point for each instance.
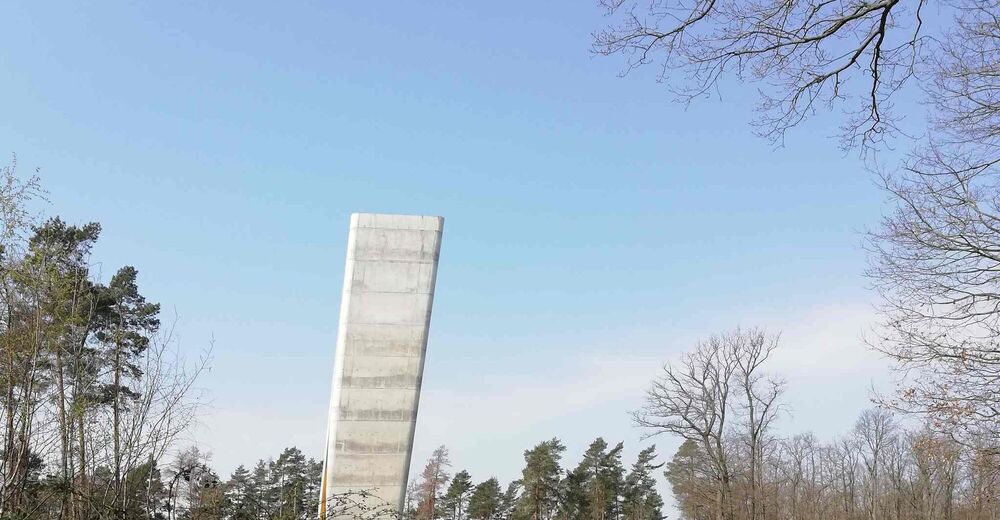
(385, 312)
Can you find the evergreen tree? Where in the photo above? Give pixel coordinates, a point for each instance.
(314, 479)
(509, 500)
(687, 473)
(640, 499)
(541, 479)
(125, 322)
(610, 481)
(575, 504)
(486, 500)
(592, 489)
(146, 492)
(457, 496)
(55, 275)
(589, 472)
(264, 496)
(240, 493)
(286, 488)
(290, 480)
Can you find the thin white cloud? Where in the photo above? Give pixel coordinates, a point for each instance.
(828, 368)
(489, 424)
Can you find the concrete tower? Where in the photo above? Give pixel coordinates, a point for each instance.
(385, 312)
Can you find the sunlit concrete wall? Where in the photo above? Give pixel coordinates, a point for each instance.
(385, 312)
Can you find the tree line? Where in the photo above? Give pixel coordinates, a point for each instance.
(934, 259)
(733, 465)
(92, 393)
(599, 487)
(92, 397)
(95, 398)
(282, 488)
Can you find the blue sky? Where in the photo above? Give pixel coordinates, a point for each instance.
(594, 229)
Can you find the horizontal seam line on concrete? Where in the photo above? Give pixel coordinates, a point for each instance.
(435, 230)
(384, 261)
(366, 291)
(341, 419)
(411, 324)
(391, 324)
(354, 256)
(342, 386)
(400, 356)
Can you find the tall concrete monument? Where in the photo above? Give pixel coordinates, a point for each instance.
(385, 313)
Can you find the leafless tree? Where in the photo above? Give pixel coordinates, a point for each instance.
(692, 399)
(936, 262)
(875, 431)
(760, 405)
(802, 54)
(21, 327)
(432, 484)
(16, 194)
(150, 425)
(935, 257)
(880, 470)
(703, 396)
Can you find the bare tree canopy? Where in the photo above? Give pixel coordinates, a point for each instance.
(855, 56)
(936, 262)
(734, 465)
(935, 259)
(721, 383)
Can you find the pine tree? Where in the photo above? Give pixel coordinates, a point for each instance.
(457, 496)
(575, 504)
(125, 323)
(689, 480)
(146, 492)
(486, 500)
(509, 500)
(611, 478)
(262, 485)
(589, 471)
(640, 499)
(240, 493)
(314, 479)
(592, 490)
(289, 474)
(541, 479)
(55, 273)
